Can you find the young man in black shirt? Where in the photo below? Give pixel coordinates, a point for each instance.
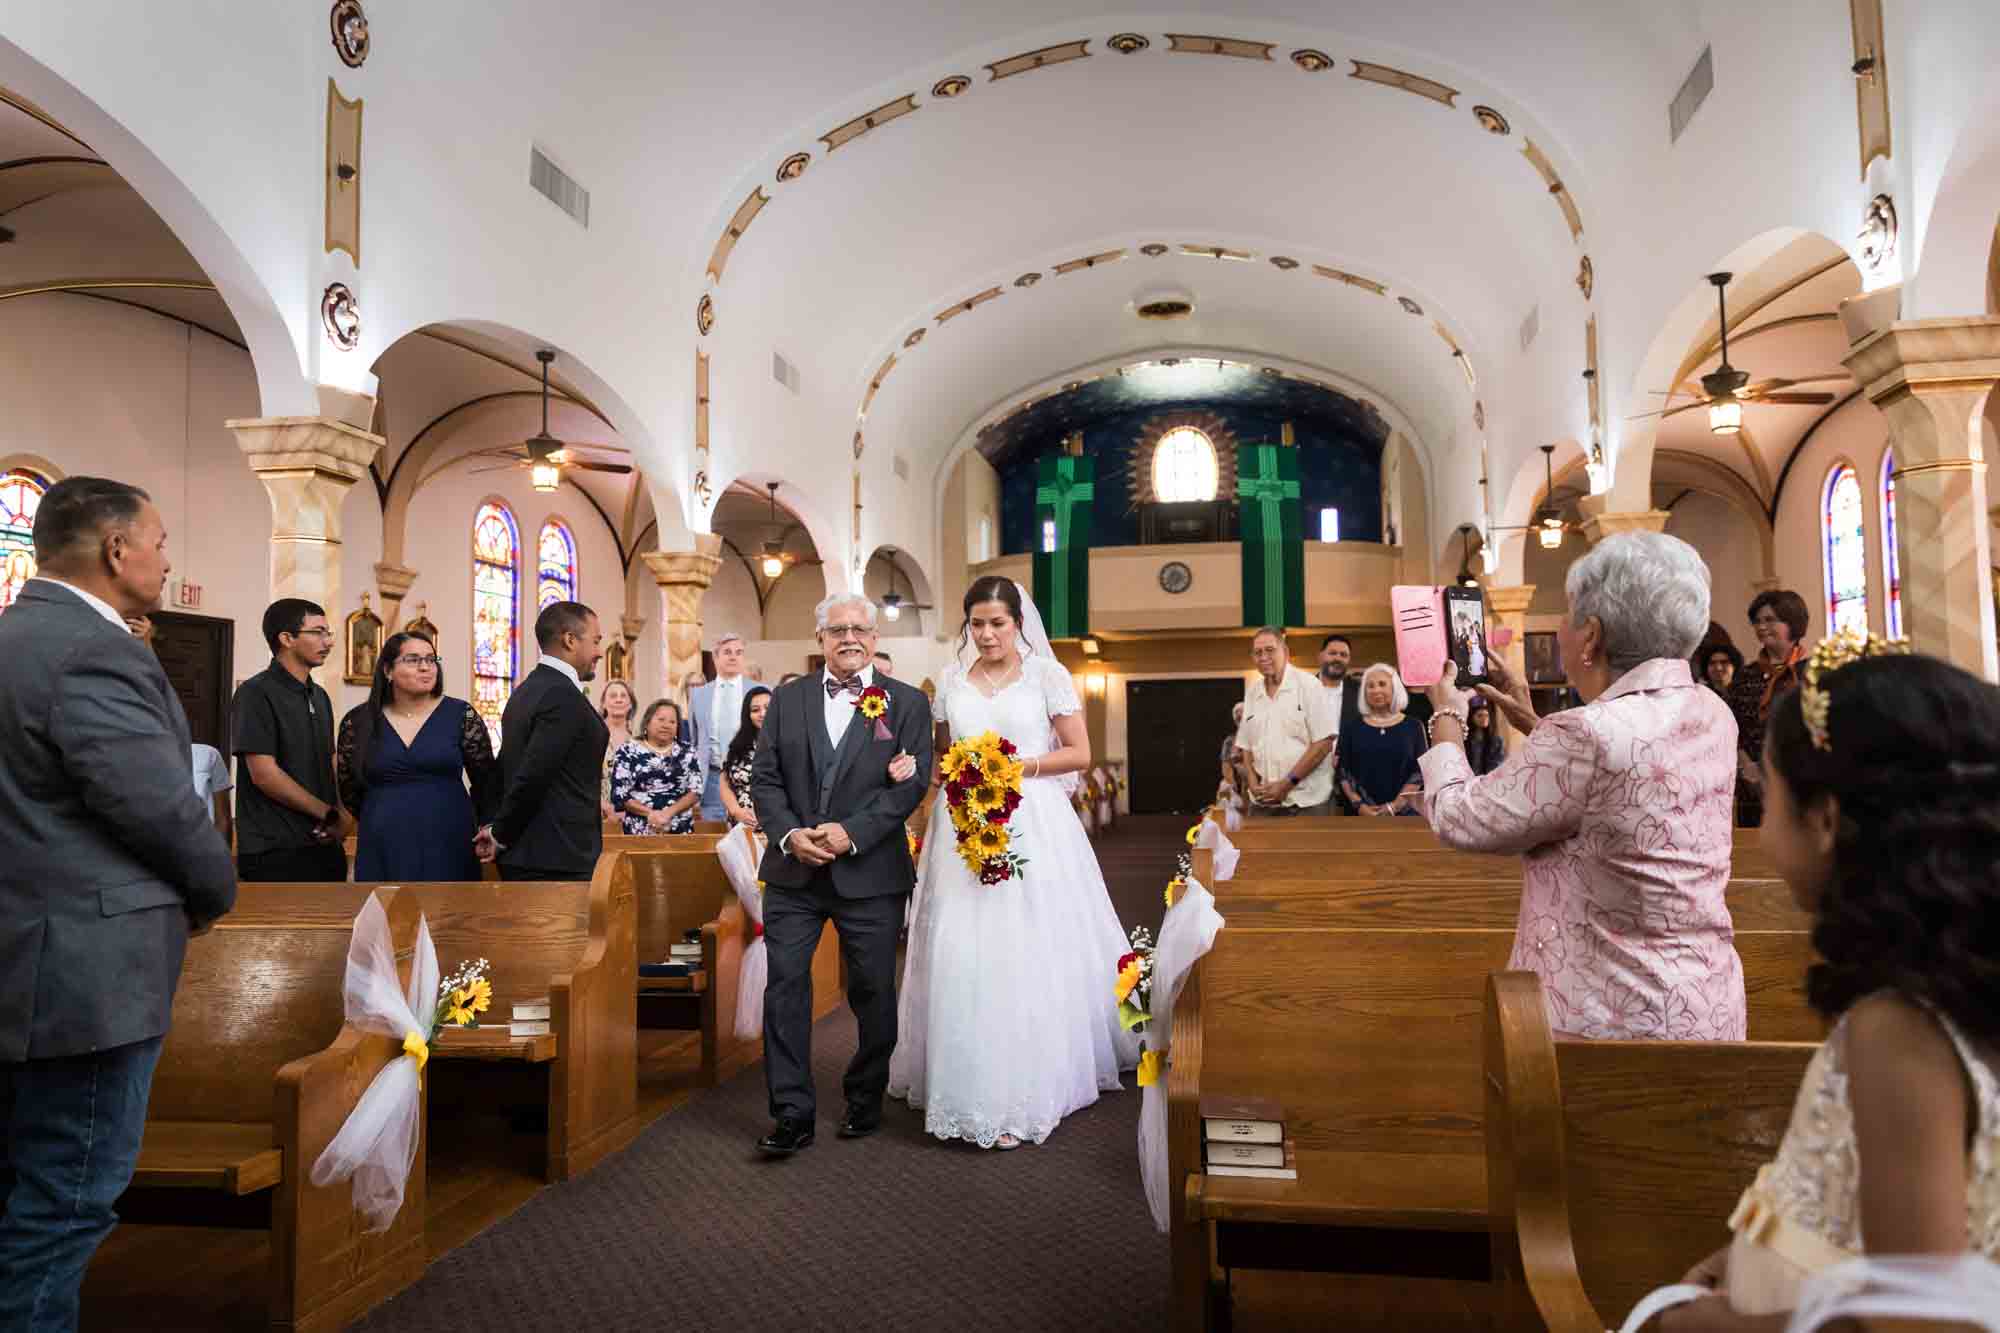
(289, 824)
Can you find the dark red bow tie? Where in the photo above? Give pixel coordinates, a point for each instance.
(852, 685)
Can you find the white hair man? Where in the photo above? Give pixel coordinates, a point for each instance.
(1287, 733)
(834, 779)
(715, 710)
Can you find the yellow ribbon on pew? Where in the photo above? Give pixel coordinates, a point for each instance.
(1151, 1063)
(415, 1045)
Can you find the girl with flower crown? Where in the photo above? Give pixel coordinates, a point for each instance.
(1882, 813)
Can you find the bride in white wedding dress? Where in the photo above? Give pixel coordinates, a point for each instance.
(1006, 1020)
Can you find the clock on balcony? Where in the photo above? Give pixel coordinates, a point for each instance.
(1176, 577)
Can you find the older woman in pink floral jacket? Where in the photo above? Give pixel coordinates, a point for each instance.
(1621, 808)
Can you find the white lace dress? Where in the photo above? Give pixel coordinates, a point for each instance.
(1803, 1214)
(1006, 1021)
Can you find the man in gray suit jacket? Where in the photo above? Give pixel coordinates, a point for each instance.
(108, 862)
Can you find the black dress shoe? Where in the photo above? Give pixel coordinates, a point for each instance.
(786, 1137)
(859, 1124)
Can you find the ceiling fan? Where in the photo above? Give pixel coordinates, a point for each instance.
(1727, 389)
(1548, 526)
(893, 603)
(776, 557)
(544, 455)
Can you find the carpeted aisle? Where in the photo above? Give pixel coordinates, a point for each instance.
(689, 1229)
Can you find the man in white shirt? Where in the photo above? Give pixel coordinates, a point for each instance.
(716, 710)
(1287, 733)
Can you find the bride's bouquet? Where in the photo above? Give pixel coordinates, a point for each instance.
(982, 789)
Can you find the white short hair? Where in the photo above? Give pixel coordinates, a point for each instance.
(833, 601)
(1648, 590)
(1399, 698)
(727, 636)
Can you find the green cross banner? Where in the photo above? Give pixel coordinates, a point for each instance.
(1267, 492)
(1065, 485)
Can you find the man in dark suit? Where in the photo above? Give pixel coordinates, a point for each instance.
(550, 824)
(838, 852)
(108, 862)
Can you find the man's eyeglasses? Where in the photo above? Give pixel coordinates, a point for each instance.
(848, 631)
(318, 632)
(412, 660)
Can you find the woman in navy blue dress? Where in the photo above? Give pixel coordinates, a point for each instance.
(403, 761)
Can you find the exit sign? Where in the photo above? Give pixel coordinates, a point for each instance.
(187, 594)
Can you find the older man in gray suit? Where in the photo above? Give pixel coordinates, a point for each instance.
(108, 862)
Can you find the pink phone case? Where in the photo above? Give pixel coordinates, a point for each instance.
(1420, 645)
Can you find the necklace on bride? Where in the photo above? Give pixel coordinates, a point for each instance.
(993, 687)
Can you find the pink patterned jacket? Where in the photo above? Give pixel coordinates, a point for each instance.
(1621, 810)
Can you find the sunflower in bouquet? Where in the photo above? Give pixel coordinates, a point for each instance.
(982, 787)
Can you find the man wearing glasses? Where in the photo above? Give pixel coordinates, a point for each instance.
(290, 828)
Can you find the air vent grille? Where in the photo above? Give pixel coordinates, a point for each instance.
(1694, 91)
(557, 184)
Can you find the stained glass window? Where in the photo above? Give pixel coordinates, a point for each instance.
(1184, 466)
(1892, 574)
(1846, 553)
(20, 495)
(556, 581)
(496, 606)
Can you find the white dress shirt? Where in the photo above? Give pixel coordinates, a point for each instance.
(724, 715)
(1282, 727)
(1336, 699)
(839, 716)
(91, 600)
(566, 669)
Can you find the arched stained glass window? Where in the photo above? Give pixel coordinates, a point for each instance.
(496, 611)
(1846, 551)
(556, 563)
(1184, 466)
(1892, 574)
(20, 495)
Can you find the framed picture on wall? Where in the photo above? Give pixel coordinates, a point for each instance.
(1544, 658)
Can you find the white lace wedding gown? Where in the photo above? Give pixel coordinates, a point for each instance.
(1006, 1021)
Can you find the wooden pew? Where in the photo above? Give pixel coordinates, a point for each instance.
(1302, 840)
(1368, 1039)
(1754, 904)
(256, 1076)
(575, 944)
(1420, 863)
(681, 887)
(1613, 1166)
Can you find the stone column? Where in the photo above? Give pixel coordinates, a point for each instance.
(393, 581)
(683, 577)
(1510, 611)
(307, 465)
(1931, 378)
(1599, 524)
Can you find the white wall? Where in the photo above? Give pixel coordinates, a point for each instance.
(1728, 540)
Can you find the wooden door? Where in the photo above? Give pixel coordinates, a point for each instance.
(1174, 731)
(197, 652)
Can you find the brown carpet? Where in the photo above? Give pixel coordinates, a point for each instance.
(689, 1229)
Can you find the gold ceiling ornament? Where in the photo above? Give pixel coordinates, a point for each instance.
(1089, 261)
(340, 313)
(343, 174)
(704, 489)
(350, 33)
(847, 133)
(970, 302)
(1586, 277)
(951, 86)
(1060, 53)
(1027, 280)
(1409, 306)
(794, 166)
(1139, 471)
(1152, 249)
(1557, 190)
(1878, 233)
(858, 446)
(1127, 43)
(1312, 60)
(875, 386)
(1369, 72)
(1871, 82)
(916, 336)
(1351, 279)
(701, 402)
(739, 222)
(1479, 415)
(1284, 262)
(1491, 121)
(1216, 252)
(1204, 44)
(704, 314)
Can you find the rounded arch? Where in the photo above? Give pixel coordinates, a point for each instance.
(558, 578)
(1957, 268)
(1884, 479)
(909, 583)
(278, 348)
(1527, 492)
(802, 505)
(33, 463)
(1842, 513)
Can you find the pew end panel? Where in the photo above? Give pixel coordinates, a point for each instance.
(1623, 1159)
(594, 1082)
(723, 941)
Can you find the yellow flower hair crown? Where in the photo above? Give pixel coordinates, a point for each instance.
(1835, 651)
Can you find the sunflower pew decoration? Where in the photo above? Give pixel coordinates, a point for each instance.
(982, 785)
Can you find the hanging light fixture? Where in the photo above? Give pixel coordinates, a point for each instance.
(1466, 578)
(774, 549)
(1725, 409)
(1549, 523)
(545, 477)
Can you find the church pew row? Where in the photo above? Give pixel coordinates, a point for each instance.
(256, 1076)
(1378, 834)
(1370, 1041)
(1287, 903)
(681, 888)
(1613, 1166)
(1426, 863)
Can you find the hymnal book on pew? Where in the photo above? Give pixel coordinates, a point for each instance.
(1242, 1120)
(1270, 1161)
(688, 953)
(529, 1027)
(666, 969)
(528, 1011)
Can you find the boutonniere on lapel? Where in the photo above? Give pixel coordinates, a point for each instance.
(874, 705)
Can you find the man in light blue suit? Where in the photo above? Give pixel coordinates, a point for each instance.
(715, 709)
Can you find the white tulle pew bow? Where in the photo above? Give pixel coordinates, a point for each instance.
(378, 1144)
(739, 853)
(1226, 852)
(1186, 933)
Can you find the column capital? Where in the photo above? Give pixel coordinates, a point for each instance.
(394, 581)
(329, 448)
(632, 626)
(685, 569)
(1511, 600)
(1926, 356)
(1598, 526)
